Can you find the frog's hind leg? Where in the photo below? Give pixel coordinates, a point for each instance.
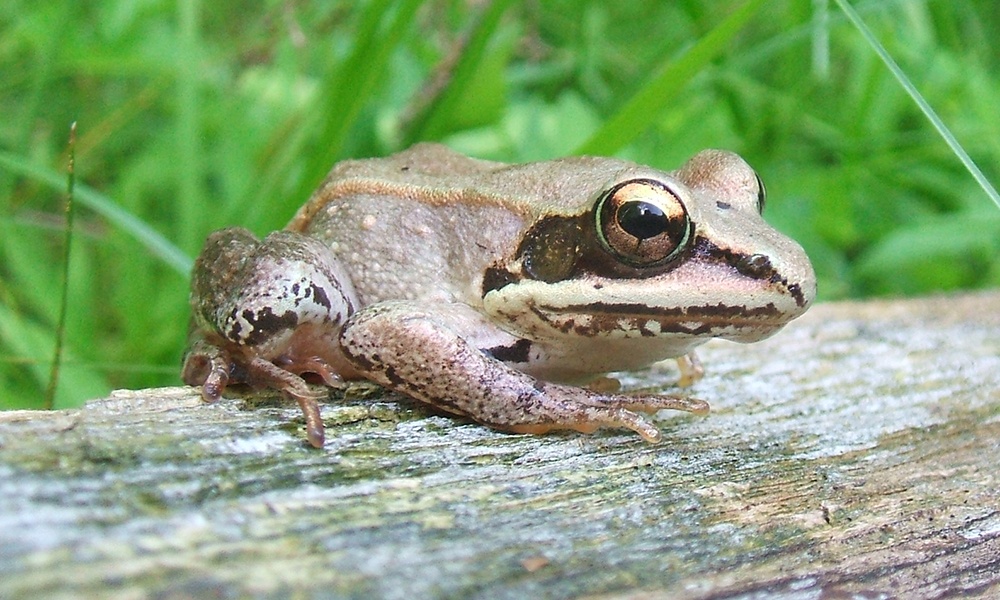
(206, 365)
(268, 374)
(265, 312)
(414, 350)
(212, 368)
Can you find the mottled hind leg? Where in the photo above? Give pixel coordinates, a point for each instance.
(265, 312)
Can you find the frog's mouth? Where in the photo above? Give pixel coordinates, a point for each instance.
(688, 308)
(734, 322)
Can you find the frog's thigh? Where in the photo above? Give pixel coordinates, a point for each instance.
(417, 352)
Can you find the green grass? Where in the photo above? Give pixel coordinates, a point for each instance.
(193, 116)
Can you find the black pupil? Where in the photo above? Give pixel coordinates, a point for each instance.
(642, 219)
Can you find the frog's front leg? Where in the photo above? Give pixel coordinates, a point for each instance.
(263, 313)
(422, 354)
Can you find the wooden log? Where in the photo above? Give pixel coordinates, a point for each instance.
(853, 455)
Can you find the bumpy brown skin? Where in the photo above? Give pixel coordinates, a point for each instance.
(484, 288)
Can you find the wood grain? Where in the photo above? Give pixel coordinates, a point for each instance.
(853, 455)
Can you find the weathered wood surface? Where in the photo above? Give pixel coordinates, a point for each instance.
(855, 455)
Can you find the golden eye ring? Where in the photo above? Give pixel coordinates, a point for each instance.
(643, 223)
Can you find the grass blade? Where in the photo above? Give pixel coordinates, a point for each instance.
(353, 85)
(188, 123)
(431, 123)
(924, 106)
(646, 105)
(22, 338)
(157, 245)
(50, 391)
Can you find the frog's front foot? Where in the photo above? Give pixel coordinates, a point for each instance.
(565, 407)
(691, 369)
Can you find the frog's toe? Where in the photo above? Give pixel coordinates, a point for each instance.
(592, 418)
(319, 366)
(627, 412)
(209, 370)
(691, 369)
(308, 403)
(267, 373)
(619, 417)
(315, 431)
(637, 423)
(214, 385)
(653, 402)
(594, 411)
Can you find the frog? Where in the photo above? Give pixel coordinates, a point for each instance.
(503, 293)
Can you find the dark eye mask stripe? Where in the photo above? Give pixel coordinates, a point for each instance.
(754, 266)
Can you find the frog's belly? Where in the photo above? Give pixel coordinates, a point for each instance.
(588, 359)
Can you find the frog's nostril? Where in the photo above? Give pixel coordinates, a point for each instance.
(757, 266)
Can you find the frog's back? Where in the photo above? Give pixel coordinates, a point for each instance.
(427, 222)
(435, 174)
(405, 229)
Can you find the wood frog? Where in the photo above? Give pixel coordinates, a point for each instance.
(495, 290)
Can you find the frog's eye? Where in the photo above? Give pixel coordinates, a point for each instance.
(642, 222)
(761, 194)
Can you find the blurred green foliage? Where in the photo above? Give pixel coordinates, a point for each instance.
(193, 116)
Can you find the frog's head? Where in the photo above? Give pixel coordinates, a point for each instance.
(648, 254)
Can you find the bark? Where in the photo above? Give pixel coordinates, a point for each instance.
(852, 455)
